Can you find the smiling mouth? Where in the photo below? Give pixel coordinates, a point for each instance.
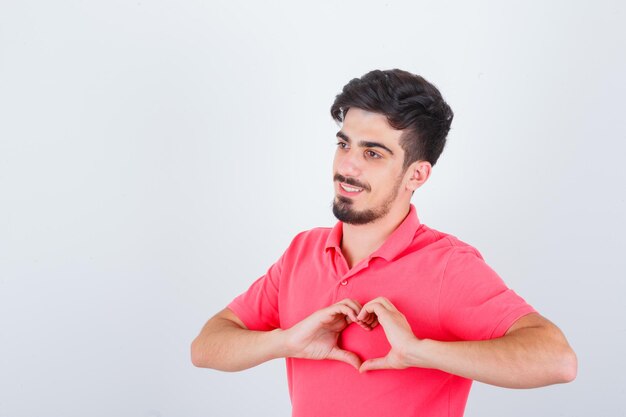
(350, 189)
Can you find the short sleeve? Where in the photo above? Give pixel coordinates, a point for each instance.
(258, 306)
(474, 302)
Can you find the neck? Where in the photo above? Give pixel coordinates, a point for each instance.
(360, 241)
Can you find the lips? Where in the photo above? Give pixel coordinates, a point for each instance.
(350, 188)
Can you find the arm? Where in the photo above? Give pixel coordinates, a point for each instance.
(226, 344)
(532, 353)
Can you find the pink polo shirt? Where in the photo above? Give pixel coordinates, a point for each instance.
(441, 284)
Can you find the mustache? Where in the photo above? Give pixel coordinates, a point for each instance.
(351, 181)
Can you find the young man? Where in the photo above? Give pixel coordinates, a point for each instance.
(382, 315)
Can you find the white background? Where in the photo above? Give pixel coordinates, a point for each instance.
(157, 156)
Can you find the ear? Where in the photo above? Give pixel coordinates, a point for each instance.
(418, 172)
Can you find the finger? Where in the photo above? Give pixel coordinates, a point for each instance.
(369, 322)
(385, 302)
(352, 305)
(374, 364)
(365, 312)
(347, 311)
(373, 307)
(331, 313)
(380, 313)
(364, 325)
(345, 356)
(357, 321)
(368, 318)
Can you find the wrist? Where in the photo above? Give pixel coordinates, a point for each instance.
(417, 353)
(279, 343)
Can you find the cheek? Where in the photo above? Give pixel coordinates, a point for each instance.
(384, 185)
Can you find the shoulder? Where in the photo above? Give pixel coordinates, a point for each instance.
(312, 235)
(447, 244)
(461, 261)
(309, 240)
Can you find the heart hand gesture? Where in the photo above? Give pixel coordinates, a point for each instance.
(316, 336)
(397, 330)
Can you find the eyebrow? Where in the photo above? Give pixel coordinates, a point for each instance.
(364, 143)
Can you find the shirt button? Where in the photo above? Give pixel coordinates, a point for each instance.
(344, 282)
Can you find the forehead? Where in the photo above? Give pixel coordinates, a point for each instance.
(363, 125)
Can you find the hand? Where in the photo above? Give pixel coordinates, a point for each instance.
(316, 336)
(398, 332)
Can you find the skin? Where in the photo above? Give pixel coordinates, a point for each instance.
(533, 352)
(376, 168)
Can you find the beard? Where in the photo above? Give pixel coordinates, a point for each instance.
(344, 211)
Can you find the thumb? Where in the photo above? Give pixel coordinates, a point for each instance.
(373, 364)
(345, 356)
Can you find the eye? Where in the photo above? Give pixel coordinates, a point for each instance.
(372, 154)
(342, 145)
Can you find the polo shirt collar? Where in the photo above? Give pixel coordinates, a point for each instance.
(397, 242)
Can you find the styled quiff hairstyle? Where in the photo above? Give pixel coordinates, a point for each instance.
(409, 102)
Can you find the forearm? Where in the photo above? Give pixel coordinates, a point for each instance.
(225, 346)
(528, 358)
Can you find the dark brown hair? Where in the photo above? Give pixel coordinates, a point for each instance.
(409, 102)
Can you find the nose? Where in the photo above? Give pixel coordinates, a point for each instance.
(348, 164)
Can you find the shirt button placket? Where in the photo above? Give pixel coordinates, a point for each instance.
(341, 290)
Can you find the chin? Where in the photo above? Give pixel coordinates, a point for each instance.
(344, 211)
